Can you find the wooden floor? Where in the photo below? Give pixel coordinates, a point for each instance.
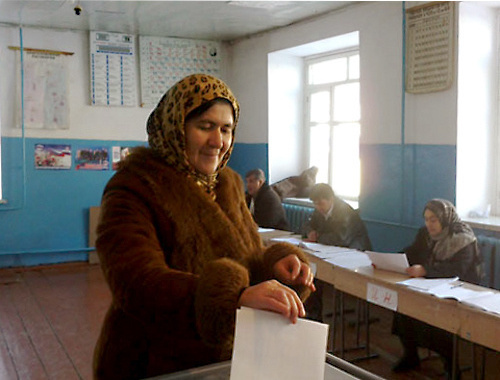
(50, 318)
(49, 321)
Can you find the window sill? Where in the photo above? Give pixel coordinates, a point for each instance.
(491, 223)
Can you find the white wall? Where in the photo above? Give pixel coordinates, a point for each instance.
(477, 105)
(86, 121)
(286, 135)
(379, 25)
(380, 31)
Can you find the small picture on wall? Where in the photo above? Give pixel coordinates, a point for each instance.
(92, 158)
(52, 156)
(119, 153)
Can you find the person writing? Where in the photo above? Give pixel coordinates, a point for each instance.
(334, 222)
(445, 247)
(264, 203)
(178, 246)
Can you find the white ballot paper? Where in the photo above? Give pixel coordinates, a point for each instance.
(396, 262)
(268, 346)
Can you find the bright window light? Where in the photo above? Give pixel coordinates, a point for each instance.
(333, 121)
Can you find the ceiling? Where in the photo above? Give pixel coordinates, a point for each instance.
(208, 20)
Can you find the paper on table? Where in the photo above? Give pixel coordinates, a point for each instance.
(396, 262)
(317, 247)
(350, 260)
(262, 229)
(426, 284)
(489, 303)
(290, 240)
(457, 291)
(268, 346)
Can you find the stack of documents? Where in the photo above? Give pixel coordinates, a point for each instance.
(489, 302)
(452, 288)
(458, 292)
(427, 284)
(339, 256)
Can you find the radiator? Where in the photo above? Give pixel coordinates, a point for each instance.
(490, 249)
(296, 216)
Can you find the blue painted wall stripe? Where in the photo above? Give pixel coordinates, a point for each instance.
(53, 218)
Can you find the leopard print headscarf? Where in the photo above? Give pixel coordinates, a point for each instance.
(165, 125)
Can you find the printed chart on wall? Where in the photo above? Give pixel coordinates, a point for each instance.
(166, 60)
(113, 80)
(45, 103)
(430, 36)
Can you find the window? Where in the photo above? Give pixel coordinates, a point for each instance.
(333, 121)
(478, 127)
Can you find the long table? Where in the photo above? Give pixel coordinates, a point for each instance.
(472, 324)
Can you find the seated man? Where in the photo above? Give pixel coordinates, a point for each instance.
(333, 222)
(265, 205)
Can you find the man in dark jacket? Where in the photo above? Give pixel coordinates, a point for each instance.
(334, 222)
(264, 203)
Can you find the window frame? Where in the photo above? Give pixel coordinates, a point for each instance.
(309, 89)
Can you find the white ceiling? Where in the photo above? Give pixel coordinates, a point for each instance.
(209, 20)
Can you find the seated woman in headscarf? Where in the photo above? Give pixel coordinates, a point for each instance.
(178, 246)
(445, 247)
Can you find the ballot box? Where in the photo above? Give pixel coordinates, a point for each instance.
(335, 369)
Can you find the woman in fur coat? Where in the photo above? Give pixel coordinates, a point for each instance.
(178, 246)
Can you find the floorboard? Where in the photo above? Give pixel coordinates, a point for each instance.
(19, 343)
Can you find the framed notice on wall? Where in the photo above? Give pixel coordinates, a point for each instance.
(430, 41)
(112, 69)
(165, 60)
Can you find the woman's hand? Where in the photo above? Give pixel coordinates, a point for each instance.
(416, 271)
(273, 296)
(291, 271)
(312, 236)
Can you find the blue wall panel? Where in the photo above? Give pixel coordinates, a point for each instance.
(46, 218)
(50, 223)
(246, 157)
(381, 182)
(47, 210)
(435, 174)
(397, 181)
(387, 237)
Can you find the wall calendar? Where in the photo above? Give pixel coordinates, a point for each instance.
(165, 60)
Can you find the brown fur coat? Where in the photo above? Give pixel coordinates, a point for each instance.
(176, 263)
